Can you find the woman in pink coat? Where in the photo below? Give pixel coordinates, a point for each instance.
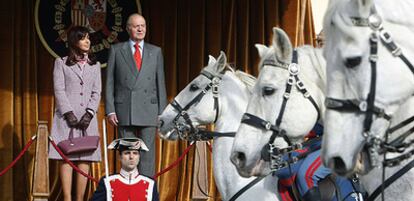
(77, 88)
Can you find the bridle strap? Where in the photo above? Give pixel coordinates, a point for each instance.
(258, 122)
(391, 180)
(393, 48)
(306, 94)
(285, 96)
(204, 135)
(182, 111)
(375, 23)
(269, 151)
(371, 95)
(353, 105)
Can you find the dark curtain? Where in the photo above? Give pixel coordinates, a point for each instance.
(187, 31)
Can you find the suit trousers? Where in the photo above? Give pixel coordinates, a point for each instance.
(146, 165)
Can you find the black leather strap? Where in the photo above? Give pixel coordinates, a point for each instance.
(391, 180)
(245, 188)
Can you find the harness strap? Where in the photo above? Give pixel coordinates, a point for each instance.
(353, 105)
(397, 160)
(400, 139)
(245, 188)
(286, 95)
(400, 125)
(393, 48)
(257, 122)
(198, 97)
(306, 94)
(204, 135)
(371, 95)
(390, 180)
(182, 111)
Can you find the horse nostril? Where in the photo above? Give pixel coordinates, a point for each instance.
(239, 159)
(351, 62)
(338, 165)
(160, 123)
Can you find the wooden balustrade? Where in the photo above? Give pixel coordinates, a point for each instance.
(40, 190)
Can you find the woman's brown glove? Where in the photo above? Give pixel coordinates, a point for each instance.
(70, 119)
(85, 121)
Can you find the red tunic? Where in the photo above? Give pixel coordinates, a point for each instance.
(130, 187)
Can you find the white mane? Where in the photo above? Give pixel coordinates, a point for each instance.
(318, 62)
(247, 79)
(397, 11)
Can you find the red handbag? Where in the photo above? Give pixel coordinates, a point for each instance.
(79, 145)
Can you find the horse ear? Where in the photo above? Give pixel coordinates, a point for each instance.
(262, 49)
(221, 62)
(282, 45)
(364, 6)
(211, 60)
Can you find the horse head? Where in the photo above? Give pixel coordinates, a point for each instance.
(288, 92)
(367, 80)
(192, 106)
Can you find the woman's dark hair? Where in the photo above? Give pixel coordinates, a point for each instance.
(76, 34)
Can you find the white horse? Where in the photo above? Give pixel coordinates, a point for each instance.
(300, 114)
(350, 27)
(366, 44)
(232, 95)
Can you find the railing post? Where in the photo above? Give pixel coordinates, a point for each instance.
(40, 190)
(200, 173)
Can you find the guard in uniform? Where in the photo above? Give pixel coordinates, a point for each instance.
(306, 174)
(129, 184)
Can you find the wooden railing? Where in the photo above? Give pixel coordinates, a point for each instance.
(40, 190)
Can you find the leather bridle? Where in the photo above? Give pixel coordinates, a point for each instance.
(186, 130)
(373, 143)
(270, 152)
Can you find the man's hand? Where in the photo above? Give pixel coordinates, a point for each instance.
(85, 121)
(70, 119)
(113, 119)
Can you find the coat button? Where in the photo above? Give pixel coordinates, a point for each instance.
(81, 83)
(81, 104)
(81, 94)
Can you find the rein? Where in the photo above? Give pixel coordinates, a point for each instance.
(270, 152)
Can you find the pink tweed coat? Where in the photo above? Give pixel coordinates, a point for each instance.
(75, 90)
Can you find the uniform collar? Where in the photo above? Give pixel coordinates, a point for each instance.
(129, 175)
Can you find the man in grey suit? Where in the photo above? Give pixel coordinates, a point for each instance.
(135, 89)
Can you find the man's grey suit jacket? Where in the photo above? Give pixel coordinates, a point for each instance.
(137, 98)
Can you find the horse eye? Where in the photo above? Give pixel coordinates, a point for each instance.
(267, 91)
(352, 62)
(194, 87)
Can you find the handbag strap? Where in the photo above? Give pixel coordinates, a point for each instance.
(70, 134)
(84, 133)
